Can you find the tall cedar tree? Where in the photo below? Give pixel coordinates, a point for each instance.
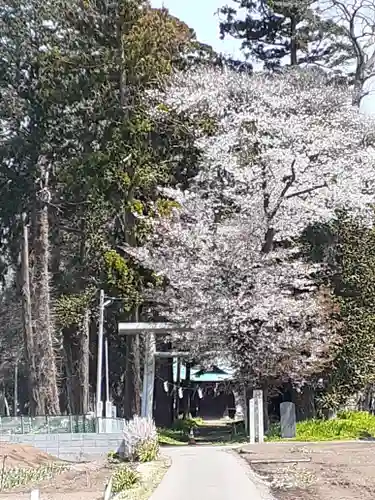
(81, 158)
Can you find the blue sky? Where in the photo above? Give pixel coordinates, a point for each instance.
(200, 15)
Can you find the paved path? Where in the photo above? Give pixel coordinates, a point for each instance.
(207, 473)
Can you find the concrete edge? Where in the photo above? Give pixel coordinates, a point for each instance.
(261, 485)
(291, 442)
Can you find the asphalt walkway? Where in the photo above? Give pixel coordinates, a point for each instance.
(207, 473)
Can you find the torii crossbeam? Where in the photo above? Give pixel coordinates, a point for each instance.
(152, 329)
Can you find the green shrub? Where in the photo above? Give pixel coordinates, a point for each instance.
(347, 425)
(114, 458)
(274, 432)
(147, 451)
(124, 478)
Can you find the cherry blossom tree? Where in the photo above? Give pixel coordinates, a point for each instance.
(354, 30)
(286, 152)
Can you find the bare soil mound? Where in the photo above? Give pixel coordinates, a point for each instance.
(22, 456)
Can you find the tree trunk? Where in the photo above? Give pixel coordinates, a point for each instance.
(188, 386)
(305, 404)
(128, 403)
(15, 390)
(133, 376)
(133, 382)
(83, 363)
(246, 397)
(69, 379)
(2, 399)
(164, 400)
(44, 324)
(35, 403)
(293, 41)
(266, 419)
(239, 402)
(83, 358)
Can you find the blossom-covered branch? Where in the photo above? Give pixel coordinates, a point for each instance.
(287, 151)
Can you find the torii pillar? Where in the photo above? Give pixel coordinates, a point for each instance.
(151, 330)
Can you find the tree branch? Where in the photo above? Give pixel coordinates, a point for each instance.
(289, 182)
(305, 191)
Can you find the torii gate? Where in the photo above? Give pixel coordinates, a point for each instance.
(151, 330)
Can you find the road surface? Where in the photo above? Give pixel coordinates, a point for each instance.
(208, 473)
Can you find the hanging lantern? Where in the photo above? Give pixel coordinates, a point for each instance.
(166, 386)
(180, 393)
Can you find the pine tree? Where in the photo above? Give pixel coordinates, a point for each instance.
(278, 32)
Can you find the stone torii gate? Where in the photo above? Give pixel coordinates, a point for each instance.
(151, 330)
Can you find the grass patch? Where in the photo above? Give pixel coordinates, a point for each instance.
(21, 476)
(346, 426)
(185, 424)
(204, 433)
(179, 433)
(124, 478)
(151, 475)
(172, 437)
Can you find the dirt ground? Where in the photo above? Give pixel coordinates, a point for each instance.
(81, 482)
(85, 481)
(19, 455)
(334, 471)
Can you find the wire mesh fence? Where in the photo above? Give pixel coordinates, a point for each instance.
(59, 425)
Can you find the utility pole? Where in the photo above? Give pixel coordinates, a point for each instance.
(106, 370)
(99, 403)
(108, 403)
(99, 367)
